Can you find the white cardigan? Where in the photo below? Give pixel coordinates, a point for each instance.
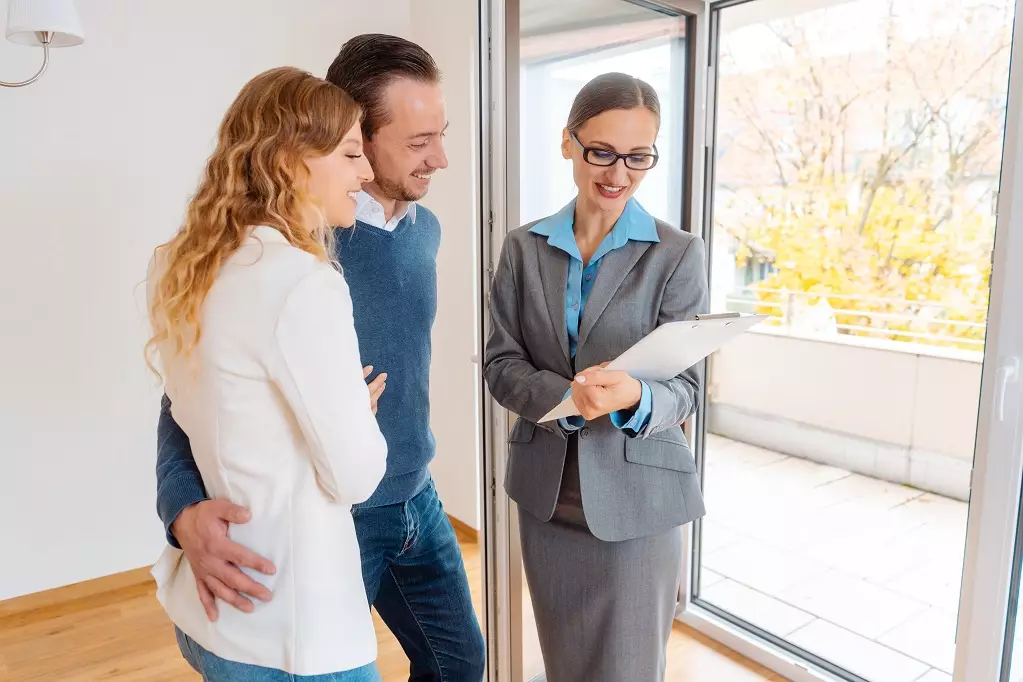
(278, 416)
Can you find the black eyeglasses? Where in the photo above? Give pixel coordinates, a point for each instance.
(598, 156)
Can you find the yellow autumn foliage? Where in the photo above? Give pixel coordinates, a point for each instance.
(908, 271)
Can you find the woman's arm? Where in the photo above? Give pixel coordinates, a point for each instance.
(513, 380)
(314, 359)
(685, 296)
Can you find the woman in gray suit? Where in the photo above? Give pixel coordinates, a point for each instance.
(603, 496)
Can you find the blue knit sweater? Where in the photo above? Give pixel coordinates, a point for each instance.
(393, 279)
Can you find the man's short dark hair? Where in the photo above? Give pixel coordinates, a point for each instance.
(368, 63)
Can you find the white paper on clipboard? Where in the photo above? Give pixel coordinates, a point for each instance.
(669, 350)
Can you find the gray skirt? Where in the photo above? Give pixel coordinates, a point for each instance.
(604, 610)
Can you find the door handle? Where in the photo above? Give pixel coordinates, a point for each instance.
(1007, 373)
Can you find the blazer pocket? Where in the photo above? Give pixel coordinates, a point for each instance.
(522, 432)
(664, 450)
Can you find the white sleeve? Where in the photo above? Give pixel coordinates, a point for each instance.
(314, 359)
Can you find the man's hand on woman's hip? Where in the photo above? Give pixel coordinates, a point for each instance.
(216, 560)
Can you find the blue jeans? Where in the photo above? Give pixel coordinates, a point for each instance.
(416, 580)
(216, 669)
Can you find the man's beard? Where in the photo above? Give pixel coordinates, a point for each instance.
(396, 190)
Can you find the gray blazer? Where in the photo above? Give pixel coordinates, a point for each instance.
(631, 487)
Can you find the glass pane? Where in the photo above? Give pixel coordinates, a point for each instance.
(857, 158)
(563, 45)
(557, 60)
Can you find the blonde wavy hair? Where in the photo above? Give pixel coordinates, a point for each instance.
(255, 176)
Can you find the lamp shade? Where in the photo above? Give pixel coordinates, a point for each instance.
(26, 18)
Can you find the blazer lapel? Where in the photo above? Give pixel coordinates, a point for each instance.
(614, 268)
(554, 277)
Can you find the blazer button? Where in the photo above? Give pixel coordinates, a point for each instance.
(584, 433)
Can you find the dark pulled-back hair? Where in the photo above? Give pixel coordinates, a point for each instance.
(608, 92)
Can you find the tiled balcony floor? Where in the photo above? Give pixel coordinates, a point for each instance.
(859, 571)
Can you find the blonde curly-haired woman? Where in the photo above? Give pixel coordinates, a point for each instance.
(254, 338)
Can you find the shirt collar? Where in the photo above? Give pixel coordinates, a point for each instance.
(265, 233)
(635, 224)
(370, 211)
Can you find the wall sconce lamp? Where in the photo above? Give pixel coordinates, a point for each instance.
(42, 23)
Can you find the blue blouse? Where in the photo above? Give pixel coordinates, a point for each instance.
(635, 224)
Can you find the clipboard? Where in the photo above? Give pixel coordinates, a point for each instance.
(671, 349)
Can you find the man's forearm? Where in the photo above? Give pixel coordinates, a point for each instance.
(178, 481)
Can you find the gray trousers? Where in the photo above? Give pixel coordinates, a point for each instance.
(604, 610)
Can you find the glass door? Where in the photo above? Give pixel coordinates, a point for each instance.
(855, 156)
(990, 642)
(852, 167)
(542, 53)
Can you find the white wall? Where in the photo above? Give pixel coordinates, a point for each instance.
(97, 160)
(448, 30)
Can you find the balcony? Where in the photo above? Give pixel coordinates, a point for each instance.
(858, 570)
(890, 395)
(837, 470)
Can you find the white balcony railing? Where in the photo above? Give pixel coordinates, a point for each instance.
(819, 315)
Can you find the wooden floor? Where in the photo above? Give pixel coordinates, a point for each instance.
(124, 635)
